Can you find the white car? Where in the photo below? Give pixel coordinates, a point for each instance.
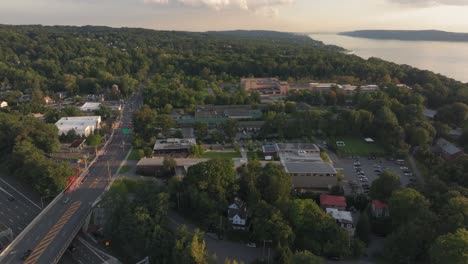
(252, 245)
(403, 168)
(409, 174)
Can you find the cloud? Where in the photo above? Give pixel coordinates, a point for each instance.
(432, 2)
(265, 7)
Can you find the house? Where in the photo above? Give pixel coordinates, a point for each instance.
(270, 150)
(90, 106)
(379, 209)
(332, 201)
(447, 150)
(77, 144)
(238, 215)
(265, 86)
(175, 147)
(83, 125)
(3, 104)
(456, 132)
(368, 88)
(48, 100)
(349, 89)
(429, 113)
(344, 219)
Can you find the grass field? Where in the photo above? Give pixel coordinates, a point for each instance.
(124, 169)
(356, 146)
(226, 155)
(134, 155)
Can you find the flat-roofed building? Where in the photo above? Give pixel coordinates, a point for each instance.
(265, 86)
(83, 125)
(90, 106)
(311, 175)
(323, 87)
(178, 147)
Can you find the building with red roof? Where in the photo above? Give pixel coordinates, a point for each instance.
(379, 209)
(332, 201)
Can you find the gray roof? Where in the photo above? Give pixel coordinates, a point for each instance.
(269, 148)
(174, 143)
(447, 147)
(297, 146)
(429, 113)
(309, 167)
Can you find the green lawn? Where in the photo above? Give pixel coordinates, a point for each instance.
(124, 169)
(226, 155)
(134, 155)
(356, 146)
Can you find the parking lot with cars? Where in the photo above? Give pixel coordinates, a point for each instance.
(360, 172)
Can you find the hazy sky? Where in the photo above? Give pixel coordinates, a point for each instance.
(283, 15)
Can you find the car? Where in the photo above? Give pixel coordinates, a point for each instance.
(357, 163)
(366, 191)
(378, 170)
(72, 248)
(65, 201)
(11, 198)
(408, 174)
(358, 169)
(364, 180)
(403, 168)
(26, 254)
(252, 245)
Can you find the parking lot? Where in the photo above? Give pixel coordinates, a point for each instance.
(16, 211)
(360, 172)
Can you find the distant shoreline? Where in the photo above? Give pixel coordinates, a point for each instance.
(408, 35)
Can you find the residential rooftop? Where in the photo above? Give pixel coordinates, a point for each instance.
(341, 216)
(332, 200)
(174, 143)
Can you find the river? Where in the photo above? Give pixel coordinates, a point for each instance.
(447, 58)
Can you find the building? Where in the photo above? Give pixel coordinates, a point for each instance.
(306, 148)
(349, 89)
(323, 87)
(447, 150)
(90, 106)
(175, 147)
(344, 219)
(311, 175)
(77, 144)
(226, 111)
(429, 113)
(48, 100)
(265, 86)
(270, 150)
(83, 125)
(151, 166)
(379, 209)
(368, 88)
(333, 201)
(456, 132)
(3, 104)
(238, 215)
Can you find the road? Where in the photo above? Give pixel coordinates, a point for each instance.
(49, 235)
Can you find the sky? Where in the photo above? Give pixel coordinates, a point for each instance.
(280, 15)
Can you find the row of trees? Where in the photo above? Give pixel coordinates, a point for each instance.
(25, 144)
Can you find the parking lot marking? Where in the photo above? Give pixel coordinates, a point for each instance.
(20, 194)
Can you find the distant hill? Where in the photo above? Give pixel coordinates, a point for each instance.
(413, 35)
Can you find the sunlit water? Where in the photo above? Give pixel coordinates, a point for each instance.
(447, 58)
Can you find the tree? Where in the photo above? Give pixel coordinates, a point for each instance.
(94, 139)
(384, 186)
(269, 224)
(305, 257)
(229, 128)
(169, 165)
(274, 184)
(198, 248)
(407, 204)
(200, 130)
(165, 123)
(450, 248)
(363, 228)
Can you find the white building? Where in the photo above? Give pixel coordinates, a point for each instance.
(90, 106)
(343, 218)
(3, 104)
(83, 125)
(237, 215)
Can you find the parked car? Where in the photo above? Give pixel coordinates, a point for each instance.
(11, 198)
(408, 174)
(26, 254)
(252, 245)
(65, 201)
(403, 168)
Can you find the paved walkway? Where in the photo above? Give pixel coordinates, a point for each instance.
(414, 167)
